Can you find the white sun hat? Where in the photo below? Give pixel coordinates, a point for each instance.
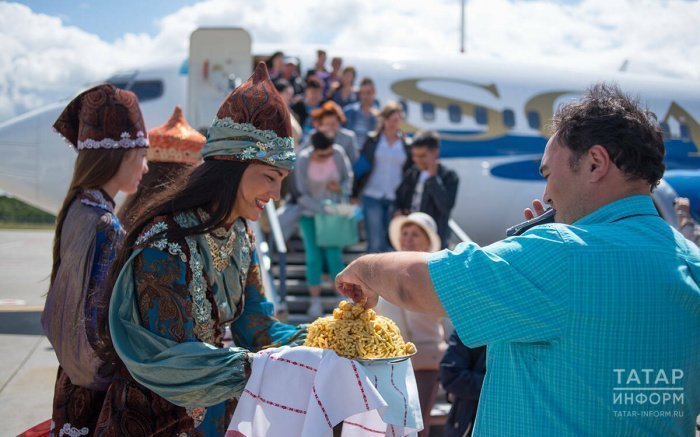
(422, 220)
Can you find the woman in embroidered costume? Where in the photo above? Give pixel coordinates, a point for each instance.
(174, 149)
(105, 126)
(189, 269)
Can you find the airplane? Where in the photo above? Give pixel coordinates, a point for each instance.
(492, 117)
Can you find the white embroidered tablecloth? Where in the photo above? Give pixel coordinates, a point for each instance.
(306, 391)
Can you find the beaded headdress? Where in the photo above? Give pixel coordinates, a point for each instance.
(253, 123)
(103, 117)
(175, 141)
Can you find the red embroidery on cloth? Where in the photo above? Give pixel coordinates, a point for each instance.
(275, 404)
(365, 428)
(391, 428)
(328, 421)
(405, 403)
(375, 381)
(359, 383)
(272, 357)
(234, 433)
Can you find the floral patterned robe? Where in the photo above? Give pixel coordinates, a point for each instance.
(75, 315)
(168, 315)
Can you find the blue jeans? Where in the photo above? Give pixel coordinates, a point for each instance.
(377, 217)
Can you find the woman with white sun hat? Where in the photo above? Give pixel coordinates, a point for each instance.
(418, 232)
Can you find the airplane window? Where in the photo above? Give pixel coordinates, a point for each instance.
(404, 105)
(147, 89)
(508, 118)
(533, 119)
(120, 85)
(122, 80)
(455, 113)
(481, 115)
(428, 110)
(685, 132)
(667, 130)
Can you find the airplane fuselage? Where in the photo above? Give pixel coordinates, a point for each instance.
(493, 119)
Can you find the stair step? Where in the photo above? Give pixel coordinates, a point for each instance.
(299, 287)
(296, 288)
(299, 304)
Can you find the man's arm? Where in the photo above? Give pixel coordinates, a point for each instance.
(402, 278)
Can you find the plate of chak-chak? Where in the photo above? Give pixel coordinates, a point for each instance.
(360, 334)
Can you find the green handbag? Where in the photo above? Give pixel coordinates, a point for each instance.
(333, 230)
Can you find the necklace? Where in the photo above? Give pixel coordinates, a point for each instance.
(221, 254)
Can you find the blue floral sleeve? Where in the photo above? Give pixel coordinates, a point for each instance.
(108, 238)
(153, 331)
(256, 328)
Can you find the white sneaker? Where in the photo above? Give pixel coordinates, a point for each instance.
(315, 309)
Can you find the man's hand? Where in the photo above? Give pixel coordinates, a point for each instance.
(351, 283)
(432, 167)
(682, 206)
(537, 210)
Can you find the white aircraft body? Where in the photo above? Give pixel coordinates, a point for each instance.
(492, 118)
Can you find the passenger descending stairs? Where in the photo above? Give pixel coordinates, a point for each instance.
(298, 302)
(297, 291)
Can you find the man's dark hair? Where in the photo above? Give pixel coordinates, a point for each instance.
(313, 82)
(426, 138)
(320, 141)
(366, 81)
(281, 84)
(616, 121)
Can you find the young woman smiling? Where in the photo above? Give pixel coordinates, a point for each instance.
(189, 270)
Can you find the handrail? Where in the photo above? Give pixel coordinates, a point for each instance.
(263, 250)
(276, 227)
(281, 246)
(459, 232)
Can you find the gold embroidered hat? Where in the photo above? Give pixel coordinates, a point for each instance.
(253, 123)
(103, 117)
(175, 141)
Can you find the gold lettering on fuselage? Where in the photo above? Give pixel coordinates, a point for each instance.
(682, 116)
(408, 89)
(542, 104)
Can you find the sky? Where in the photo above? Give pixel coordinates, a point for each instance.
(50, 49)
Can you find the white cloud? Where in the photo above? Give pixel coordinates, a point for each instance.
(41, 58)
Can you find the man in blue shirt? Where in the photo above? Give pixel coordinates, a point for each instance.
(592, 323)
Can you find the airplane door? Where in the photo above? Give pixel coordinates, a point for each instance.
(220, 59)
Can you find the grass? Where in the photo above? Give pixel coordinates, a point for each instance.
(26, 226)
(15, 214)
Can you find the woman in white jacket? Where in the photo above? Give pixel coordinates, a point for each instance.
(417, 232)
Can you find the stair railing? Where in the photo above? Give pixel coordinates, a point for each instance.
(281, 248)
(458, 232)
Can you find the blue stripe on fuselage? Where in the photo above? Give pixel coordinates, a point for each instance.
(679, 154)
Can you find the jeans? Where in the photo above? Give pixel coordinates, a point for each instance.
(377, 217)
(315, 255)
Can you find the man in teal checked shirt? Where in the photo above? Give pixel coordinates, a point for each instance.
(593, 322)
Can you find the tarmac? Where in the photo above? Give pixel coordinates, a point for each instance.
(28, 362)
(28, 369)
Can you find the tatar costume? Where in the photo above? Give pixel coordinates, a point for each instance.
(175, 296)
(75, 315)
